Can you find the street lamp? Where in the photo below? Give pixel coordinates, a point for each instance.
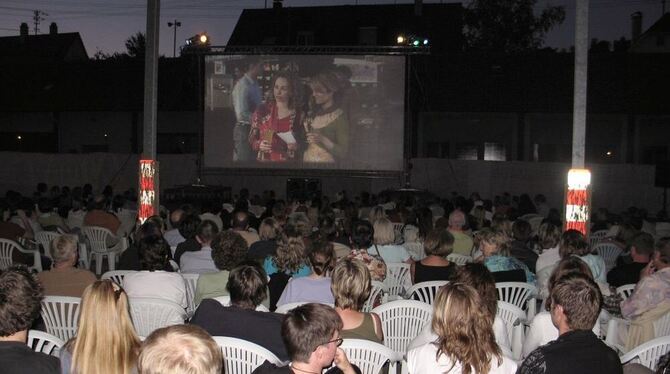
(174, 24)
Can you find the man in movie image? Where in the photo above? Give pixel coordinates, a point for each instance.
(246, 97)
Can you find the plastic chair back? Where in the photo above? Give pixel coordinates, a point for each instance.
(516, 293)
(369, 356)
(609, 252)
(191, 281)
(243, 357)
(397, 278)
(283, 309)
(626, 290)
(425, 291)
(117, 276)
(376, 292)
(402, 321)
(648, 353)
(149, 314)
(459, 259)
(61, 315)
(40, 341)
(45, 238)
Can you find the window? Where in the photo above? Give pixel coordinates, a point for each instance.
(305, 38)
(494, 152)
(367, 35)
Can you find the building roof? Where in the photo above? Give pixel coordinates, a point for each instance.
(660, 26)
(63, 47)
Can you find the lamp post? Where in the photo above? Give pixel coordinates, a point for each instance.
(174, 24)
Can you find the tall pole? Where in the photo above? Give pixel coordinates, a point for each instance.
(174, 24)
(581, 67)
(151, 80)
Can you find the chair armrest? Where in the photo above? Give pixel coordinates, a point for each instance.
(37, 259)
(613, 327)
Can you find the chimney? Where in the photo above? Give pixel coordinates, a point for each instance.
(23, 29)
(636, 25)
(277, 4)
(418, 8)
(53, 28)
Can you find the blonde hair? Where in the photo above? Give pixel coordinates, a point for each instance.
(377, 212)
(351, 284)
(63, 248)
(464, 329)
(186, 349)
(494, 237)
(290, 254)
(106, 340)
(383, 232)
(269, 229)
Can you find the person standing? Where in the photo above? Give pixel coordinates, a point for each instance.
(246, 97)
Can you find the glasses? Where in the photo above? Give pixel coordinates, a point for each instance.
(337, 342)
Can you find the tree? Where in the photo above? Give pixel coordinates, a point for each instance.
(136, 45)
(508, 25)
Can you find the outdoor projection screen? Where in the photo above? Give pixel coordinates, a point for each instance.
(304, 112)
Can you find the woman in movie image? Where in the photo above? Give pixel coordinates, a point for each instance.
(326, 126)
(272, 134)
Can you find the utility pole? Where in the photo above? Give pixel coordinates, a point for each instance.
(174, 24)
(37, 18)
(581, 64)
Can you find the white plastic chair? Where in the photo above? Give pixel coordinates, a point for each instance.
(377, 289)
(425, 291)
(7, 248)
(609, 252)
(648, 353)
(397, 278)
(117, 276)
(459, 259)
(626, 290)
(61, 315)
(415, 250)
(514, 318)
(369, 356)
(45, 238)
(402, 321)
(662, 229)
(520, 294)
(283, 309)
(149, 314)
(40, 341)
(98, 237)
(241, 356)
(596, 237)
(661, 328)
(397, 232)
(225, 301)
(191, 281)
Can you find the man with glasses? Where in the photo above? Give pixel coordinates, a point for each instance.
(311, 333)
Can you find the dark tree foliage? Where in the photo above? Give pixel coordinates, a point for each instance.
(135, 45)
(508, 25)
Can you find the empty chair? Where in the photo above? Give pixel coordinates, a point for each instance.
(459, 259)
(61, 315)
(241, 356)
(519, 294)
(191, 284)
(648, 353)
(377, 292)
(397, 278)
(425, 291)
(7, 248)
(48, 344)
(117, 275)
(402, 321)
(44, 238)
(369, 356)
(98, 239)
(149, 314)
(625, 291)
(609, 252)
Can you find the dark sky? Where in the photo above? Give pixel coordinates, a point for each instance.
(105, 24)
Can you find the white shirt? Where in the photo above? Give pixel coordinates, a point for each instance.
(428, 336)
(547, 258)
(198, 262)
(158, 284)
(173, 237)
(422, 360)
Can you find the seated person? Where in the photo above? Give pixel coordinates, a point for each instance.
(435, 266)
(641, 250)
(200, 262)
(573, 243)
(314, 288)
(130, 258)
(462, 241)
(48, 218)
(64, 279)
(268, 232)
(228, 250)
(247, 286)
(351, 285)
(520, 247)
(188, 228)
(575, 306)
(311, 334)
(495, 254)
(383, 243)
(362, 233)
(289, 262)
(153, 280)
(173, 237)
(241, 226)
(21, 295)
(180, 349)
(98, 215)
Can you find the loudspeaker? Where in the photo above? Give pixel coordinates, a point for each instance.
(662, 174)
(303, 188)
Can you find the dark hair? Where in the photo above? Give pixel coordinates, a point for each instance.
(228, 250)
(571, 264)
(481, 279)
(45, 205)
(20, 297)
(362, 234)
(153, 253)
(207, 230)
(580, 298)
(240, 220)
(643, 243)
(438, 243)
(321, 257)
(573, 243)
(247, 285)
(521, 230)
(188, 226)
(307, 327)
(663, 249)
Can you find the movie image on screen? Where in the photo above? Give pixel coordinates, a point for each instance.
(304, 111)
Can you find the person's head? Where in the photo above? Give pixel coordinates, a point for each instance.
(206, 232)
(311, 333)
(254, 67)
(476, 275)
(321, 257)
(361, 234)
(456, 220)
(300, 223)
(269, 229)
(464, 328)
(438, 243)
(45, 205)
(549, 235)
(247, 285)
(573, 243)
(104, 321)
(148, 229)
(575, 302)
(642, 247)
(100, 202)
(240, 220)
(176, 216)
(228, 250)
(383, 232)
(351, 284)
(492, 242)
(180, 349)
(571, 264)
(376, 213)
(188, 227)
(326, 89)
(661, 257)
(290, 253)
(153, 253)
(63, 250)
(284, 88)
(21, 294)
(521, 230)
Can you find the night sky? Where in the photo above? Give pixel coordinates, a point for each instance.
(105, 24)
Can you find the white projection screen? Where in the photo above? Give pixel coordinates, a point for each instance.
(334, 112)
